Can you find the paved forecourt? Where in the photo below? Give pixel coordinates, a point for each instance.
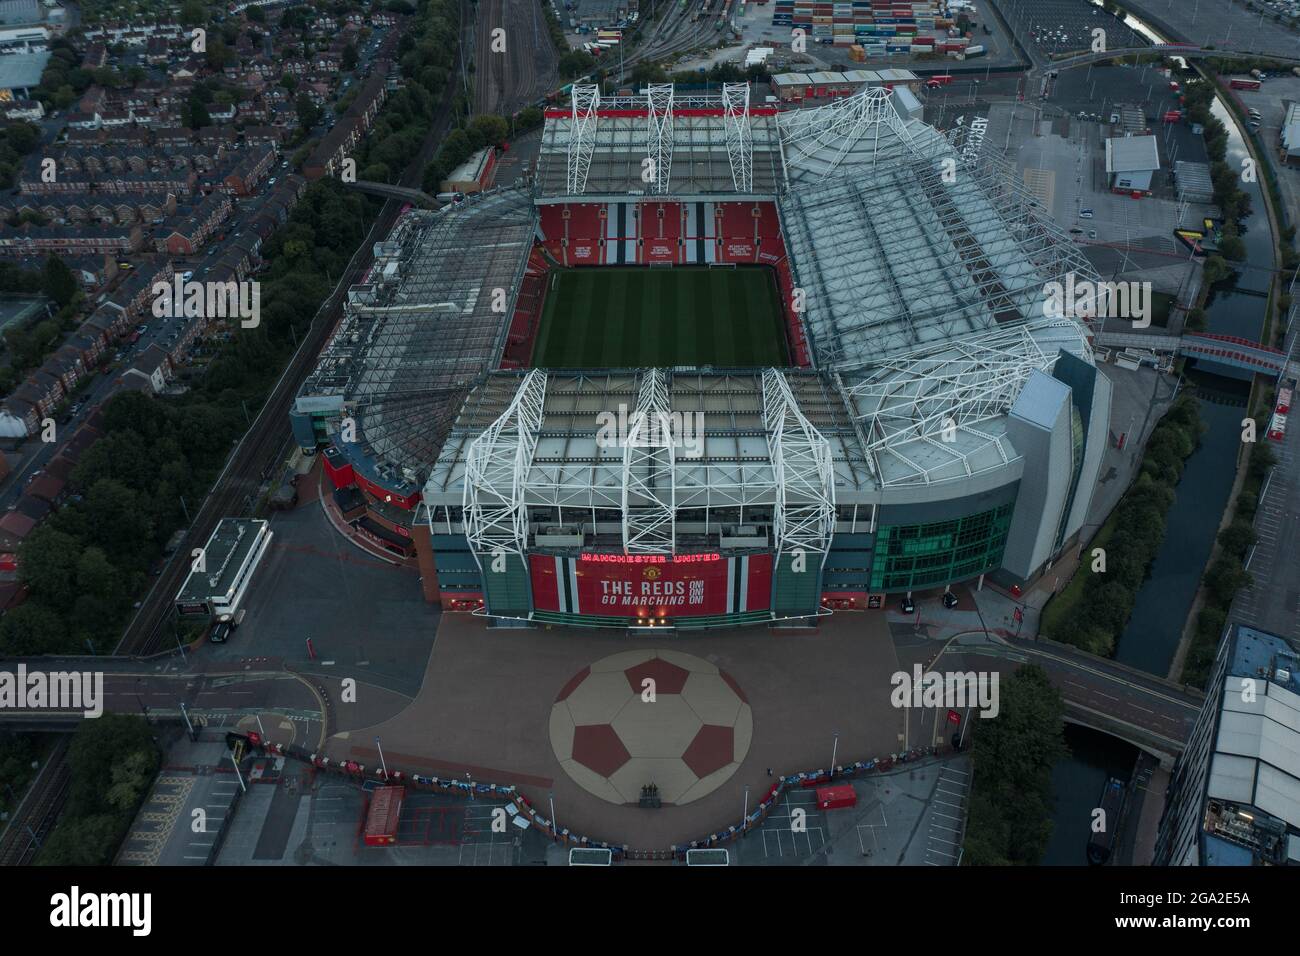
(486, 706)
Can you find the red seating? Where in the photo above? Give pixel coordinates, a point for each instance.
(660, 232)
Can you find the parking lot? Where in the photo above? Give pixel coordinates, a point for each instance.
(1054, 27)
(914, 815)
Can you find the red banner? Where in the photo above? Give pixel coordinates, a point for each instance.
(645, 586)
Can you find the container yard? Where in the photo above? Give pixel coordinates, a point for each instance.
(874, 27)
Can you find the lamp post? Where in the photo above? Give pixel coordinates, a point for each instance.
(555, 827)
(382, 764)
(835, 746)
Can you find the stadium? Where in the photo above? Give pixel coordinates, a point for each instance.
(717, 364)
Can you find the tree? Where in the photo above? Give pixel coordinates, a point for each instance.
(350, 59)
(194, 114)
(308, 111)
(47, 563)
(1231, 247)
(32, 628)
(1216, 270)
(1010, 815)
(575, 63)
(193, 13)
(491, 128)
(58, 282)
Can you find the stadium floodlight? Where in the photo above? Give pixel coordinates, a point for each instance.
(496, 468)
(582, 135)
(804, 516)
(649, 498)
(659, 134)
(740, 147)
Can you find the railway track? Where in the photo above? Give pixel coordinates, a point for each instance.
(508, 81)
(258, 453)
(684, 28)
(34, 817)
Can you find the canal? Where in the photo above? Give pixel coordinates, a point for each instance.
(1236, 307)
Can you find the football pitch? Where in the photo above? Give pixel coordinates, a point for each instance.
(629, 318)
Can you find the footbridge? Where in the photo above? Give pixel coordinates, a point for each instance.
(1227, 350)
(389, 191)
(1189, 51)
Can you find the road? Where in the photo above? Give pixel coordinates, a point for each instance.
(1131, 704)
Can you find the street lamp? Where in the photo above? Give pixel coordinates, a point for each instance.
(555, 827)
(835, 746)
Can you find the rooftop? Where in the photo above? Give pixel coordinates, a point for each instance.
(223, 557)
(421, 328)
(22, 70)
(1253, 786)
(1128, 154)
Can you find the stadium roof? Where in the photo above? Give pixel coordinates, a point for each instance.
(659, 143)
(422, 327)
(748, 439)
(922, 261)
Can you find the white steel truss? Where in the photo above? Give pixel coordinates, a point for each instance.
(659, 135)
(740, 148)
(804, 516)
(820, 138)
(928, 400)
(496, 468)
(582, 135)
(649, 496)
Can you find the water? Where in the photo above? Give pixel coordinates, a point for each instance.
(1076, 786)
(1151, 637)
(1237, 307)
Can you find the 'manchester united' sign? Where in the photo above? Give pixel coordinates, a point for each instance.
(651, 585)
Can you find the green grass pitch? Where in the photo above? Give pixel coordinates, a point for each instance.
(639, 317)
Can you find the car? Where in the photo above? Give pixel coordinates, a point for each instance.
(1076, 231)
(909, 606)
(949, 600)
(187, 275)
(220, 632)
(141, 329)
(1092, 233)
(271, 181)
(1085, 213)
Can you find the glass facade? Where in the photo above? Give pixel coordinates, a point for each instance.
(921, 555)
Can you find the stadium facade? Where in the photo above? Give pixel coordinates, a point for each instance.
(938, 420)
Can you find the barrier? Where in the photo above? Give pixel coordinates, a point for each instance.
(472, 789)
